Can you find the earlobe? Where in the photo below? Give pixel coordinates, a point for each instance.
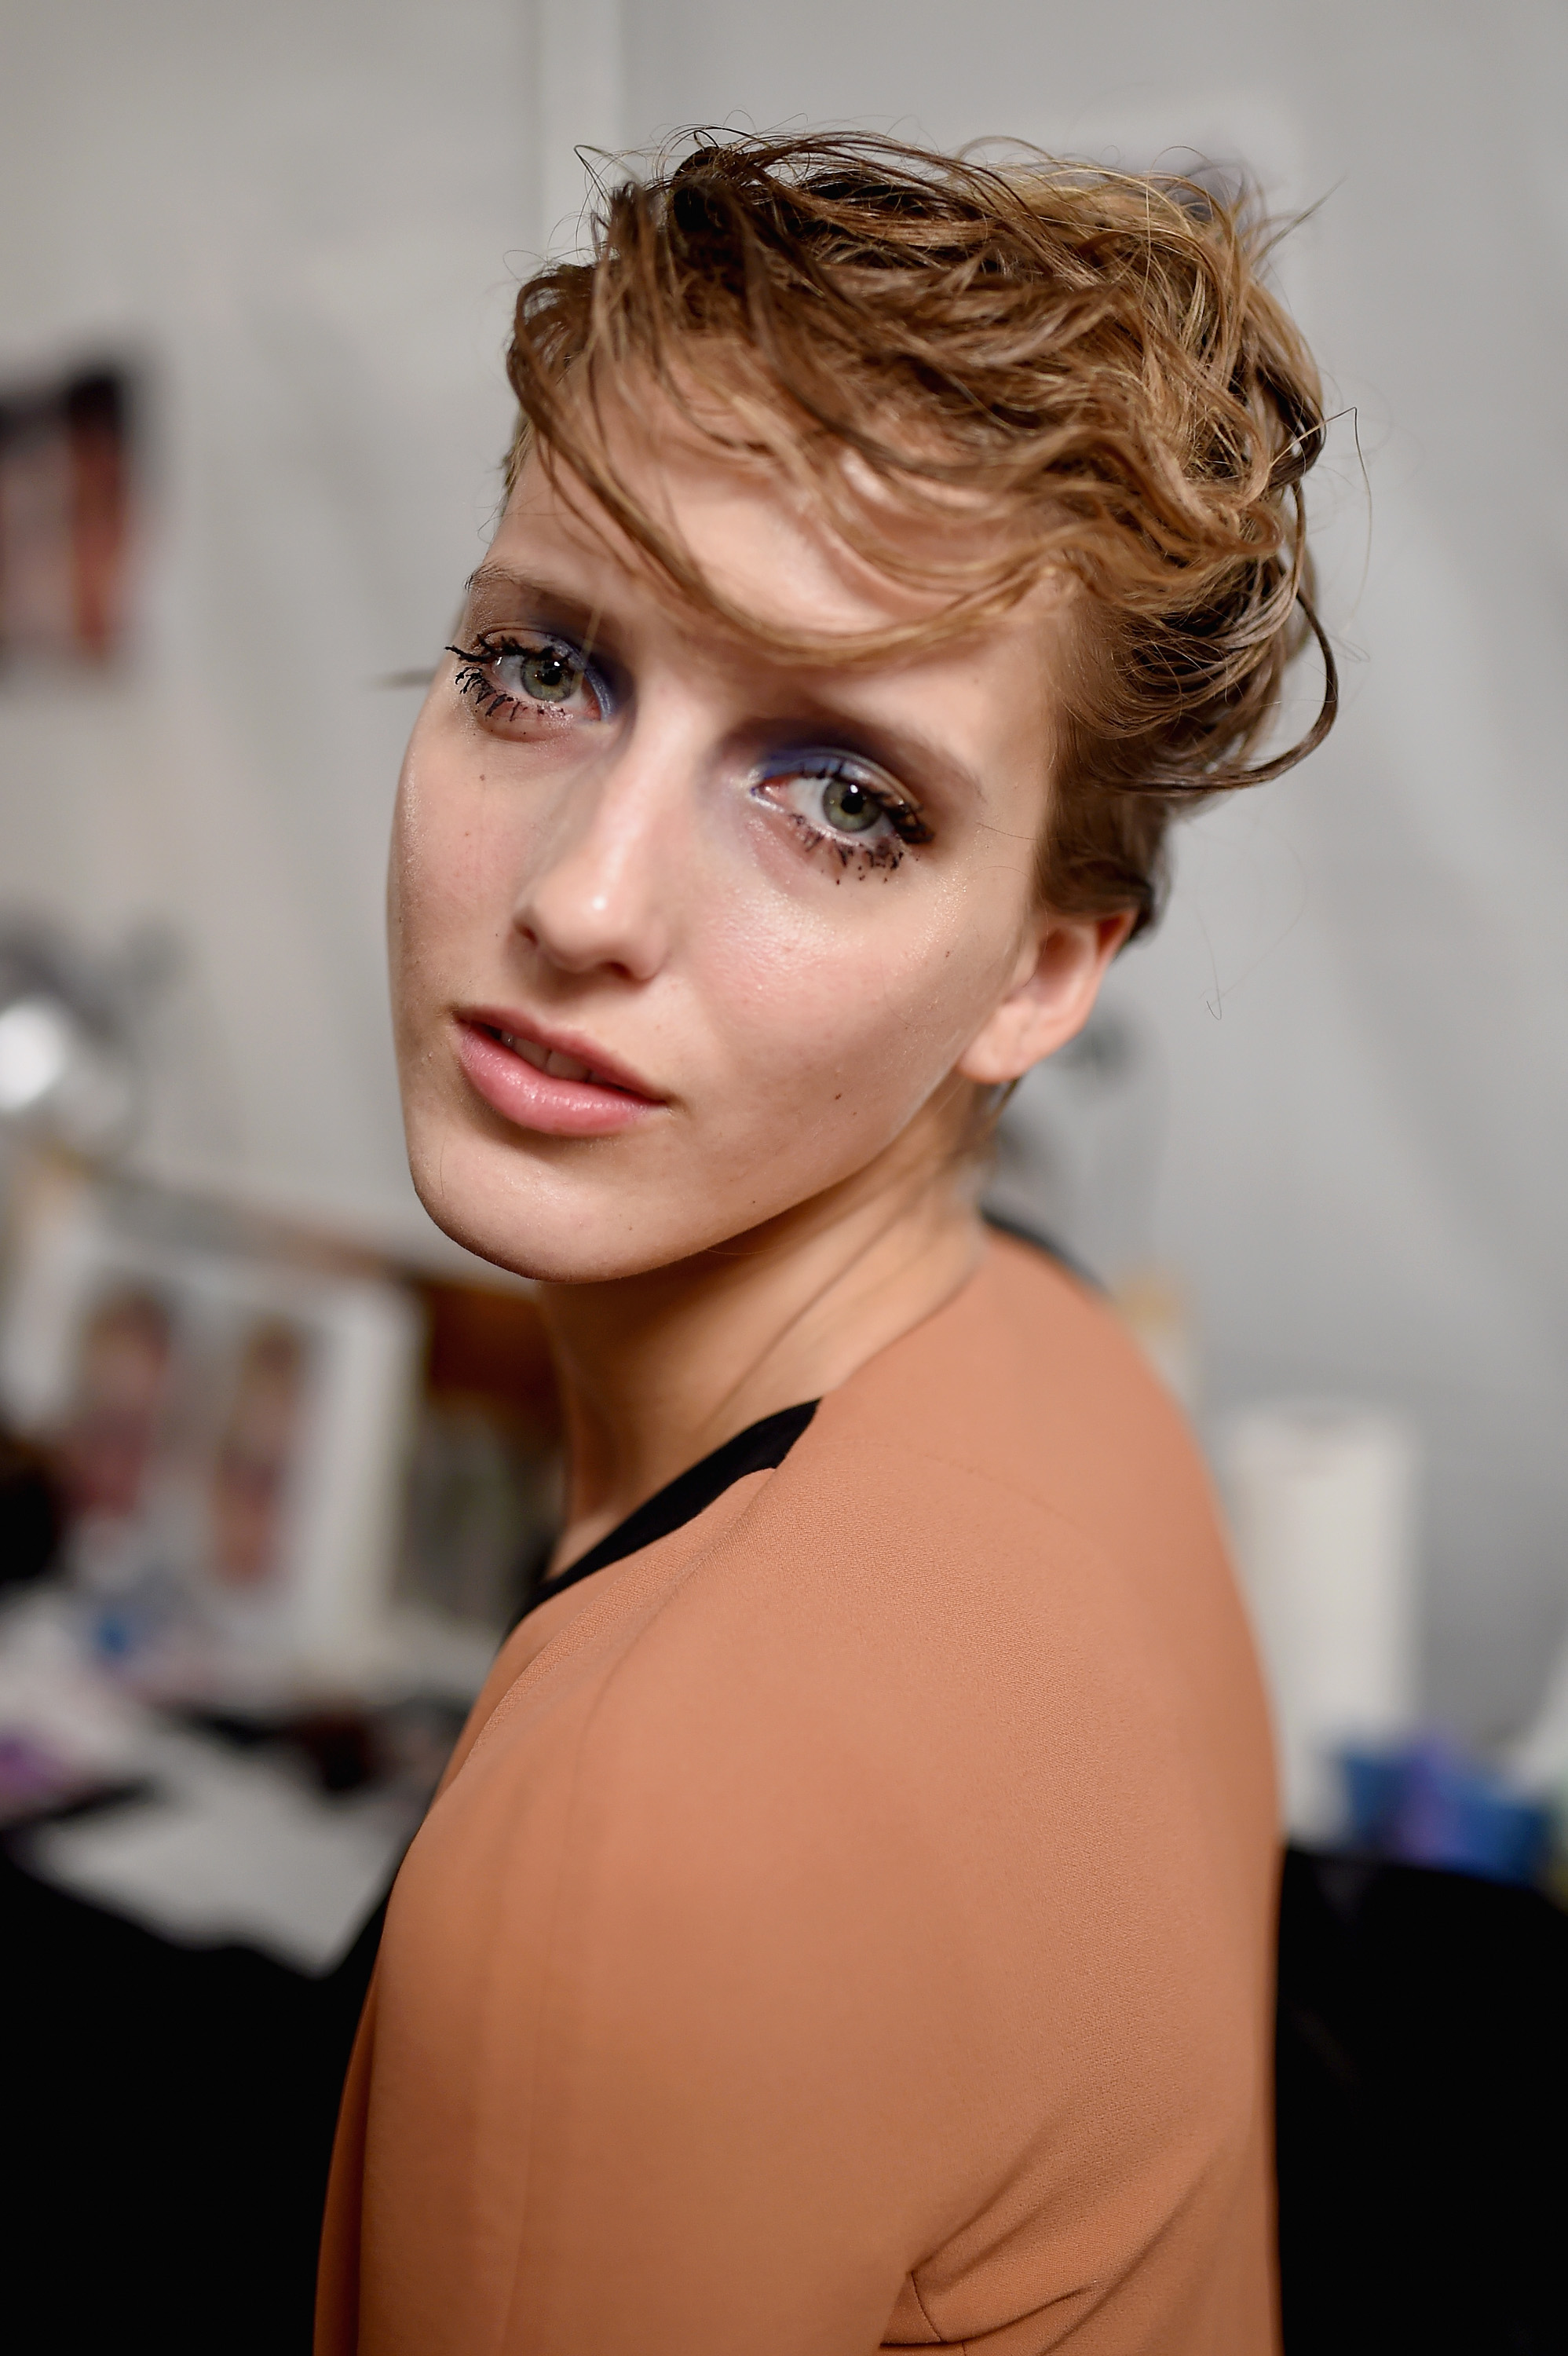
(1050, 1004)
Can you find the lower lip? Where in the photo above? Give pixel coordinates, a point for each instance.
(534, 1100)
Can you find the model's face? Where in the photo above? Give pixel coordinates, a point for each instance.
(683, 937)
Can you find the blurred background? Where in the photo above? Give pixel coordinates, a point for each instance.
(256, 269)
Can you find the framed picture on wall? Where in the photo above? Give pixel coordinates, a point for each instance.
(66, 517)
(231, 1430)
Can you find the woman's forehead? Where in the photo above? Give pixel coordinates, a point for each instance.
(755, 536)
(764, 545)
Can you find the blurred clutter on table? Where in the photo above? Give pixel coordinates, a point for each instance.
(1324, 1504)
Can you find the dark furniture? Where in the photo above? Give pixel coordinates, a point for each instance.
(1423, 2106)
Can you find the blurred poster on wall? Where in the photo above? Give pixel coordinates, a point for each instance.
(66, 496)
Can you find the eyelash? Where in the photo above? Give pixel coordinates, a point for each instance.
(908, 825)
(473, 679)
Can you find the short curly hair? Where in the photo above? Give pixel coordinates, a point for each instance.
(1087, 363)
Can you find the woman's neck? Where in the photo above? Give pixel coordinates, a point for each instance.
(658, 1369)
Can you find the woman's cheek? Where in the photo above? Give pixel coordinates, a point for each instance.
(905, 998)
(849, 1033)
(453, 867)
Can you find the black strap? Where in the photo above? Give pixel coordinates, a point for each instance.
(760, 1448)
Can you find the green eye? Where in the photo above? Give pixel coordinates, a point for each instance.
(848, 805)
(550, 676)
(843, 801)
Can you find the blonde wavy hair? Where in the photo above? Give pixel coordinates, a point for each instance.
(1087, 364)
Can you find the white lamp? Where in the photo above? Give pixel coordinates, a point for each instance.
(68, 1064)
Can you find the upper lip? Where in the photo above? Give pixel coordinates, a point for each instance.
(601, 1065)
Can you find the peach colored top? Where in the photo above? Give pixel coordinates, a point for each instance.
(847, 1923)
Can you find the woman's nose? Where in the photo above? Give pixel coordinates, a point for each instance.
(601, 895)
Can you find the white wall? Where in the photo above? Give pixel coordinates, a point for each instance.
(309, 217)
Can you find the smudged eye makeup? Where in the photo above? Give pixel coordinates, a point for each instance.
(511, 680)
(530, 683)
(841, 801)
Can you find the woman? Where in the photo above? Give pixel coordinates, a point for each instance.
(847, 1922)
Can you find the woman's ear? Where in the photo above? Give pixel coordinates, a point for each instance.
(1053, 992)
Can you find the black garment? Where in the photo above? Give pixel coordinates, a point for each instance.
(759, 1449)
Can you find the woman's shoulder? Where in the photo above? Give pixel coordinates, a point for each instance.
(1009, 1473)
(1027, 1385)
(1013, 1449)
(1005, 1493)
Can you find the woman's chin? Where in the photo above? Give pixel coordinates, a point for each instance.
(589, 1211)
(542, 1226)
(527, 1246)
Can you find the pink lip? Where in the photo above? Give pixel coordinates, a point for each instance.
(613, 1100)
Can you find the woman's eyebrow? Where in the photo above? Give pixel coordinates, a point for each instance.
(926, 764)
(497, 584)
